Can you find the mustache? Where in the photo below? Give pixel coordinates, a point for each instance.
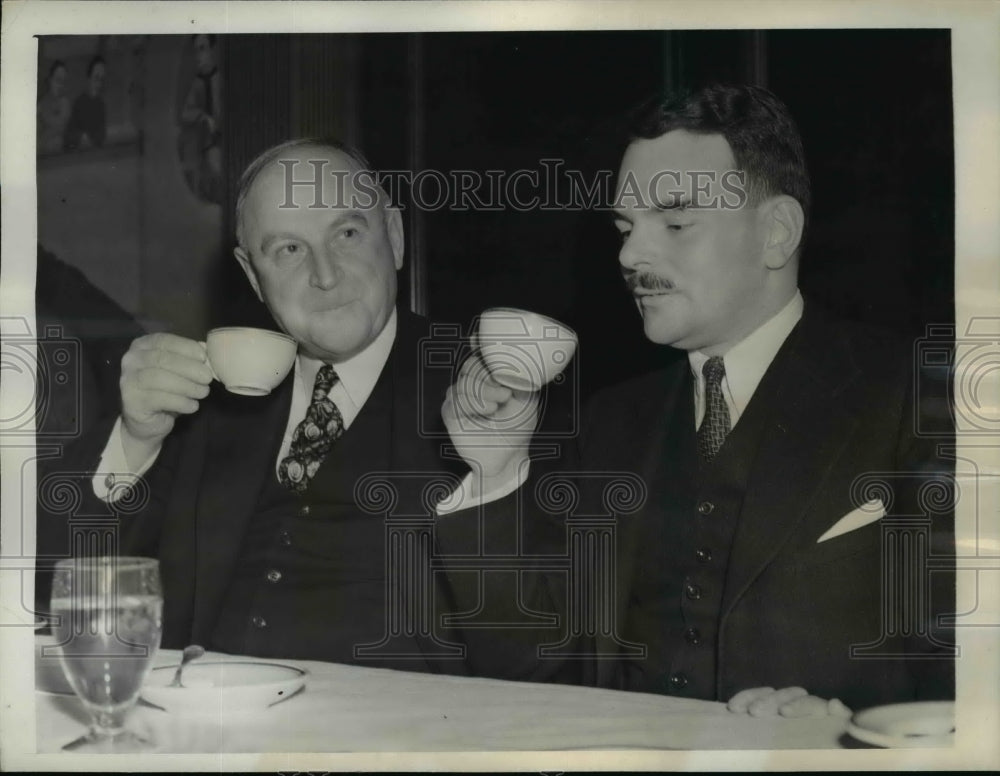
(645, 281)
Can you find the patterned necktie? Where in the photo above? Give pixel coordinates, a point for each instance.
(314, 436)
(715, 425)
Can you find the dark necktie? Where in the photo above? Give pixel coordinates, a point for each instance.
(314, 436)
(715, 425)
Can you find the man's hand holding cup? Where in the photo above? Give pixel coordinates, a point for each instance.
(491, 410)
(163, 376)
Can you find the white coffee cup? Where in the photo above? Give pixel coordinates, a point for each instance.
(249, 361)
(523, 350)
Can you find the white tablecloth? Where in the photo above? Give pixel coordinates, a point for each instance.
(352, 709)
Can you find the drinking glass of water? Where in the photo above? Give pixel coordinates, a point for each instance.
(108, 622)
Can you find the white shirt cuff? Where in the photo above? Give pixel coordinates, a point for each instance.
(462, 498)
(113, 478)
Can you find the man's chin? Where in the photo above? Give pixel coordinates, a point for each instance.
(659, 332)
(338, 340)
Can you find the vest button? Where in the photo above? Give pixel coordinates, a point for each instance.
(678, 681)
(274, 575)
(304, 510)
(692, 636)
(704, 555)
(258, 622)
(285, 538)
(705, 508)
(692, 591)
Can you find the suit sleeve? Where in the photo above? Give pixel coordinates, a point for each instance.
(66, 499)
(508, 587)
(71, 519)
(507, 577)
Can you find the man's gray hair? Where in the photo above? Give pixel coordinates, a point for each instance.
(257, 166)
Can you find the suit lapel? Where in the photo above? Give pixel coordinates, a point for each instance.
(670, 465)
(416, 410)
(244, 435)
(806, 423)
(402, 409)
(664, 416)
(663, 407)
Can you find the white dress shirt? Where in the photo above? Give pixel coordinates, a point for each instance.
(746, 362)
(358, 376)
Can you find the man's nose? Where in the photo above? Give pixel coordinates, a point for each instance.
(325, 271)
(640, 249)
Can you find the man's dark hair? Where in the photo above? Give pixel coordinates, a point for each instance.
(265, 158)
(758, 127)
(209, 36)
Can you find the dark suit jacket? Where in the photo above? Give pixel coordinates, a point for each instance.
(197, 499)
(82, 336)
(837, 409)
(836, 414)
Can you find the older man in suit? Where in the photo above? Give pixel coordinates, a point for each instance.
(783, 474)
(257, 557)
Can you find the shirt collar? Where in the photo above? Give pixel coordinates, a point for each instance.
(748, 360)
(359, 373)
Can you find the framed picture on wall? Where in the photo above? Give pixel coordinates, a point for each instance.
(89, 93)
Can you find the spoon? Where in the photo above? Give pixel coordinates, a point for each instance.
(192, 652)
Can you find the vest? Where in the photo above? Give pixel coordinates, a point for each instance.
(310, 582)
(691, 519)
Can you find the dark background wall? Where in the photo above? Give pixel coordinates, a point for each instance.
(874, 108)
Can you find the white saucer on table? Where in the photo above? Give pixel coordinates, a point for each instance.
(906, 725)
(211, 687)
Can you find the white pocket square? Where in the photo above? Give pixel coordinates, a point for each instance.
(867, 513)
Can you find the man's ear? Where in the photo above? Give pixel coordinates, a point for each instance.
(244, 259)
(785, 221)
(394, 227)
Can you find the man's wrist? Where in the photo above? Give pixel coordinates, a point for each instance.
(115, 474)
(483, 484)
(138, 451)
(469, 494)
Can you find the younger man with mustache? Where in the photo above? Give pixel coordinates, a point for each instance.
(764, 554)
